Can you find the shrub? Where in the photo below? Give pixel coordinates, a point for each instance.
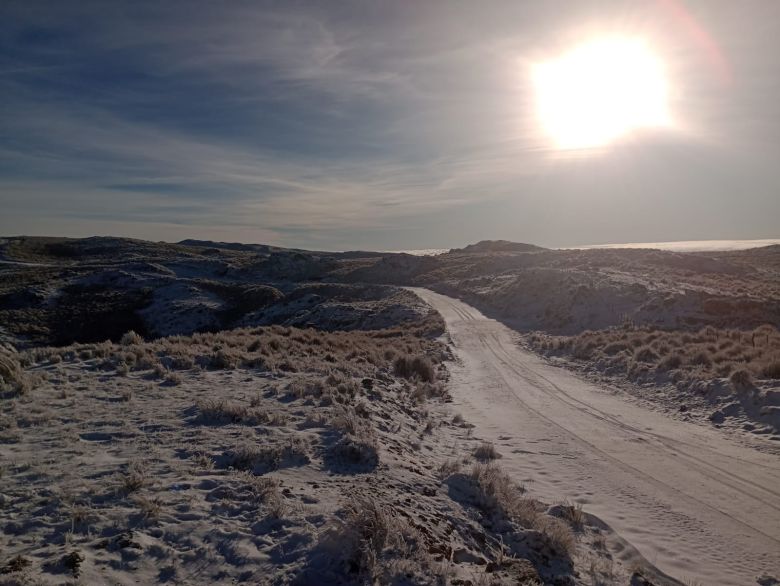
(701, 358)
(12, 377)
(368, 535)
(219, 411)
(415, 366)
(223, 360)
(133, 478)
(130, 339)
(741, 379)
(356, 450)
(486, 451)
(173, 379)
(645, 354)
(557, 534)
(771, 370)
(583, 350)
(261, 460)
(497, 496)
(671, 362)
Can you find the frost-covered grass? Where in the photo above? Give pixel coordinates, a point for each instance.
(647, 353)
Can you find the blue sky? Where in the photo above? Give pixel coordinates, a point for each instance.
(375, 125)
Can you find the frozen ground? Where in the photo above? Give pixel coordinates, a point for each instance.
(268, 456)
(697, 504)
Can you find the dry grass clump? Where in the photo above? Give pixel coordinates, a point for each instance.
(494, 493)
(643, 353)
(260, 460)
(572, 513)
(277, 349)
(130, 338)
(134, 478)
(370, 538)
(411, 367)
(741, 379)
(486, 451)
(358, 446)
(150, 508)
(224, 359)
(244, 490)
(424, 391)
(12, 376)
(358, 451)
(16, 564)
(221, 411)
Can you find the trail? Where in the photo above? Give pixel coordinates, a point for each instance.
(694, 503)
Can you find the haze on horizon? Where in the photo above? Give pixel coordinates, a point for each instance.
(390, 125)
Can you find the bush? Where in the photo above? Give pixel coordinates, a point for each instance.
(415, 367)
(671, 362)
(701, 358)
(741, 379)
(219, 411)
(645, 354)
(368, 536)
(130, 339)
(486, 451)
(12, 377)
(771, 370)
(360, 451)
(707, 354)
(223, 360)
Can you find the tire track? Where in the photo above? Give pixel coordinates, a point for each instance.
(620, 463)
(696, 462)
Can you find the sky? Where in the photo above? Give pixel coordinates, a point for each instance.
(377, 125)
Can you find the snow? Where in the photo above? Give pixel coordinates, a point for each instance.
(694, 502)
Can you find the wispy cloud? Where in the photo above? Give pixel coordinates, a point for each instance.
(293, 122)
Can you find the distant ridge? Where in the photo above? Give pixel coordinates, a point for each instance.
(268, 249)
(230, 245)
(499, 246)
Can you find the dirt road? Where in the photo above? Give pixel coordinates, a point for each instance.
(696, 504)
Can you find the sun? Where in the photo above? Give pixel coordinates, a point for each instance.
(599, 92)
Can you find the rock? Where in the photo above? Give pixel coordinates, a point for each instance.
(717, 416)
(638, 579)
(461, 555)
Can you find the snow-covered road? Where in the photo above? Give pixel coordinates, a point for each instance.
(696, 504)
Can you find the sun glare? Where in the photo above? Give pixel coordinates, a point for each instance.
(599, 92)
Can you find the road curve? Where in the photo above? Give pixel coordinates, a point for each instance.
(695, 504)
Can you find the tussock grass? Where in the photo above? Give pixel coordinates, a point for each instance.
(262, 459)
(221, 411)
(486, 451)
(133, 479)
(498, 497)
(418, 366)
(12, 376)
(342, 356)
(642, 353)
(370, 538)
(130, 338)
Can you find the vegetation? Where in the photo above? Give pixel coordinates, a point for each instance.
(644, 354)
